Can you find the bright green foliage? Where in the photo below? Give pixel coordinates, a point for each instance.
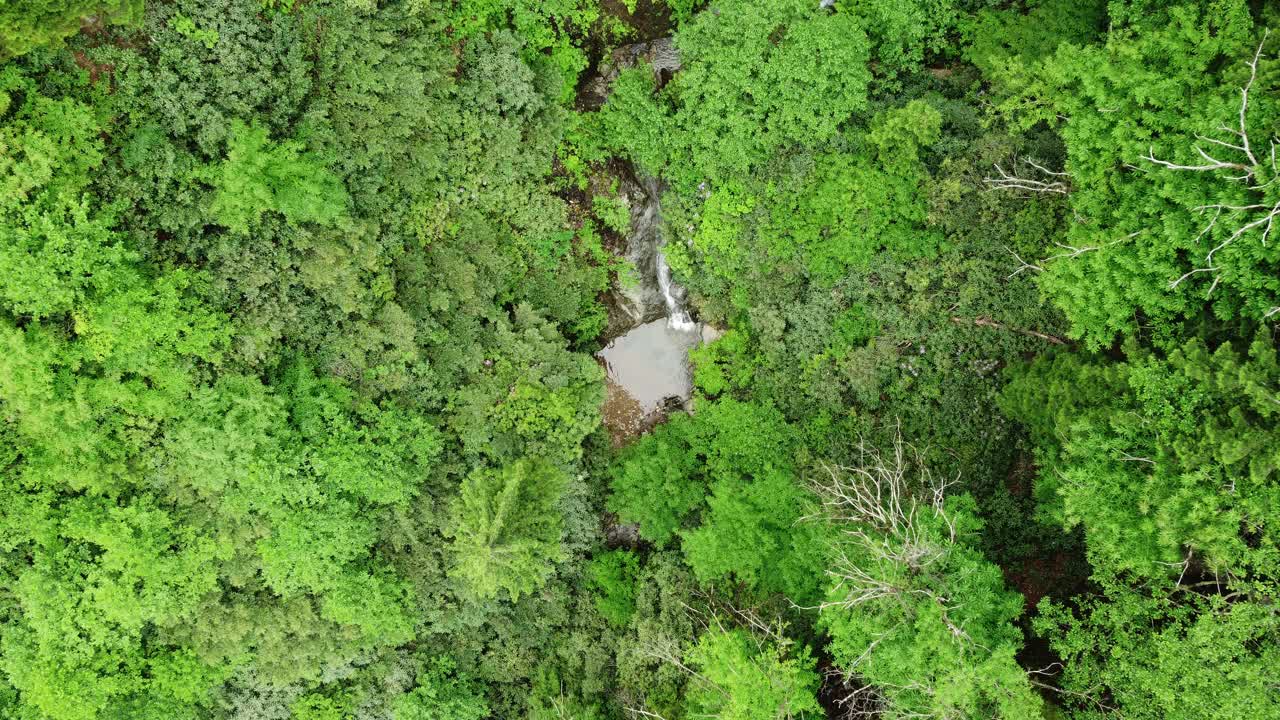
(299, 417)
(441, 694)
(914, 608)
(319, 707)
(29, 24)
(506, 528)
(719, 366)
(759, 76)
(1151, 95)
(1006, 44)
(157, 567)
(903, 31)
(848, 209)
(740, 458)
(546, 25)
(1179, 456)
(612, 212)
(80, 649)
(751, 532)
(378, 605)
(1167, 464)
(681, 10)
(1177, 655)
(613, 576)
(132, 340)
(755, 77)
(259, 176)
(656, 484)
(207, 516)
(187, 28)
(745, 678)
(57, 246)
(634, 122)
(123, 447)
(97, 355)
(1049, 395)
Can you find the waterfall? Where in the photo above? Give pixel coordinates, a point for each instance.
(647, 359)
(677, 317)
(650, 227)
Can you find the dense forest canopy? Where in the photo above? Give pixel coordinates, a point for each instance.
(300, 419)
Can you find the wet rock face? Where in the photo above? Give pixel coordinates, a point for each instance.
(647, 293)
(664, 57)
(637, 297)
(660, 53)
(647, 359)
(651, 332)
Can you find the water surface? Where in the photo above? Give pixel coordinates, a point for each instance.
(651, 362)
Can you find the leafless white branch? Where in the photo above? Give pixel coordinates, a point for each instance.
(644, 713)
(1023, 265)
(1175, 283)
(1005, 180)
(1249, 167)
(1244, 99)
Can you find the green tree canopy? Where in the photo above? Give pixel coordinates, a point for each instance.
(745, 678)
(506, 528)
(913, 607)
(27, 25)
(1165, 203)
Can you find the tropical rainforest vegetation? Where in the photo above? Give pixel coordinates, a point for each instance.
(299, 417)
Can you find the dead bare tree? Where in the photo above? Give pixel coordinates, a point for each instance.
(1091, 695)
(878, 505)
(1024, 180)
(1238, 155)
(853, 699)
(989, 323)
(769, 637)
(1023, 265)
(751, 618)
(638, 712)
(878, 494)
(671, 653)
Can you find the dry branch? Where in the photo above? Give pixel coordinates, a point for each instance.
(878, 505)
(988, 322)
(1048, 181)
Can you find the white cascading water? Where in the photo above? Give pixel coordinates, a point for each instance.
(677, 317)
(648, 364)
(648, 226)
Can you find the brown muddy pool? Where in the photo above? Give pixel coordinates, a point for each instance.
(646, 367)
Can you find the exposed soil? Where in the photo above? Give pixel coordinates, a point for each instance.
(623, 415)
(96, 70)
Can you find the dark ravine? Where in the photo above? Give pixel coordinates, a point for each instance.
(646, 358)
(650, 330)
